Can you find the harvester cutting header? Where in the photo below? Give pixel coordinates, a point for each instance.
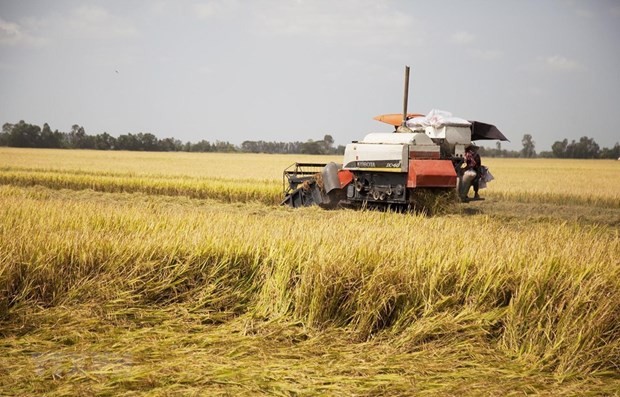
(424, 153)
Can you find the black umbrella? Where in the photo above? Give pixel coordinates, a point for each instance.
(484, 131)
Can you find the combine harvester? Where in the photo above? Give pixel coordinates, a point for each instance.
(389, 170)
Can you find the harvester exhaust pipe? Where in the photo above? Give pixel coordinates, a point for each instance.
(405, 97)
(403, 125)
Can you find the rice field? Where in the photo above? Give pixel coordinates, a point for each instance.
(179, 274)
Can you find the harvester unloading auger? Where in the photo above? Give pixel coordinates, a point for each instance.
(424, 153)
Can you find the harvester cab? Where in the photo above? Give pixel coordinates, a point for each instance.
(388, 169)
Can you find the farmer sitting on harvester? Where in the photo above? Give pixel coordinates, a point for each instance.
(472, 171)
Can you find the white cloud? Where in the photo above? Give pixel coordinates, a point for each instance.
(204, 11)
(535, 91)
(205, 70)
(462, 37)
(213, 8)
(158, 7)
(10, 33)
(486, 55)
(83, 22)
(559, 63)
(551, 63)
(356, 22)
(96, 22)
(13, 34)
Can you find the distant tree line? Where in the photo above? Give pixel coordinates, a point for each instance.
(585, 148)
(324, 146)
(28, 135)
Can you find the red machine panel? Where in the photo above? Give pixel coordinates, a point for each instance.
(431, 173)
(423, 155)
(345, 177)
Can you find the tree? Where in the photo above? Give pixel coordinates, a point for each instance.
(586, 148)
(250, 147)
(23, 134)
(127, 142)
(105, 141)
(311, 147)
(224, 147)
(171, 145)
(613, 153)
(202, 146)
(328, 141)
(147, 142)
(47, 136)
(528, 146)
(51, 139)
(4, 136)
(559, 148)
(78, 139)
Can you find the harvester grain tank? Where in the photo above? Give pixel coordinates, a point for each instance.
(388, 169)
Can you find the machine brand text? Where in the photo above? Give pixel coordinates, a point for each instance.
(376, 164)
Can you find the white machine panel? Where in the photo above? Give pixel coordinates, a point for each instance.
(452, 134)
(382, 137)
(384, 157)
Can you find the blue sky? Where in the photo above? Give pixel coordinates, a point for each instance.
(289, 70)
